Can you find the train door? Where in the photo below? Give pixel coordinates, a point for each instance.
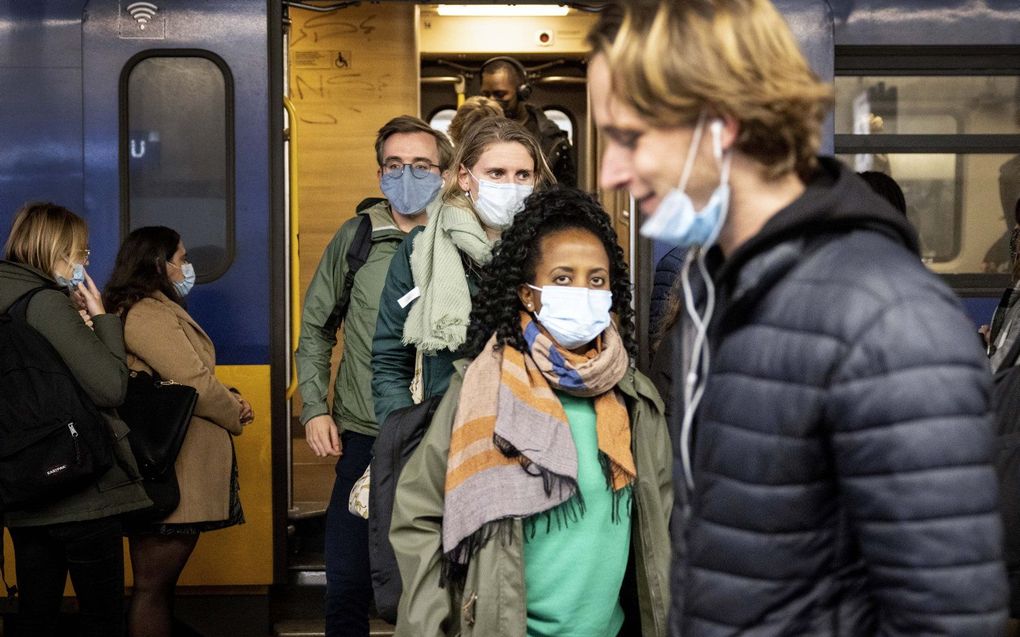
(144, 113)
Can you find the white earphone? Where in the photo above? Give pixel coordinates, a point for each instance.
(716, 127)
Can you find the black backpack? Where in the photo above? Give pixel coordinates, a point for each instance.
(53, 440)
(399, 436)
(357, 255)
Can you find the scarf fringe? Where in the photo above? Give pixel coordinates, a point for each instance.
(455, 563)
(550, 481)
(612, 471)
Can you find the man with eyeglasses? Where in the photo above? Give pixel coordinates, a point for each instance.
(412, 157)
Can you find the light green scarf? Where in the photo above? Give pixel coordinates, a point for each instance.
(439, 318)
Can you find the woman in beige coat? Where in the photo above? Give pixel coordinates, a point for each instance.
(150, 280)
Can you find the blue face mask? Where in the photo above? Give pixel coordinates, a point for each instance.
(676, 221)
(77, 276)
(183, 287)
(408, 195)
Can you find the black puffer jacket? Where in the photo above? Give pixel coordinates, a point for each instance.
(842, 477)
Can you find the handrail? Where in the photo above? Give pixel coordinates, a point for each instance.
(295, 256)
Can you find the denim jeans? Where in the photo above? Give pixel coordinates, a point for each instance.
(92, 552)
(348, 578)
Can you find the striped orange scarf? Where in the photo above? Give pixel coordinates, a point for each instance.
(511, 451)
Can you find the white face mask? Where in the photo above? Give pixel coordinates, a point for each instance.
(675, 220)
(574, 316)
(496, 204)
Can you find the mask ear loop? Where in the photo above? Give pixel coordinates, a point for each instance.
(692, 152)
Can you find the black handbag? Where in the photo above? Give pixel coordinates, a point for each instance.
(158, 413)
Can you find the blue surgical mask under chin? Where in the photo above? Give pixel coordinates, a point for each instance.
(184, 286)
(574, 316)
(496, 204)
(77, 276)
(677, 222)
(408, 195)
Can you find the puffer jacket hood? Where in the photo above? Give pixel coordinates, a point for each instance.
(836, 200)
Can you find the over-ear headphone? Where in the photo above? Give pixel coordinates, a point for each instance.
(524, 88)
(716, 127)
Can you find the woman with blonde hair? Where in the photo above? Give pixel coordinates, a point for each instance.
(473, 110)
(80, 534)
(426, 301)
(830, 402)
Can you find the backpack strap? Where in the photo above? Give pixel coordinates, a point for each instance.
(357, 254)
(19, 308)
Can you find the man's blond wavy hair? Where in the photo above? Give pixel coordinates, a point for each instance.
(672, 59)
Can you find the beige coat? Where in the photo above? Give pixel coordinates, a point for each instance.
(161, 336)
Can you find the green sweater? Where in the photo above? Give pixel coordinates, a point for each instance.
(352, 391)
(573, 572)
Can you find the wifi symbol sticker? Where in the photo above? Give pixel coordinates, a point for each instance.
(142, 20)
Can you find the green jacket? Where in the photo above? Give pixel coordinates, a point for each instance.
(392, 361)
(493, 600)
(352, 394)
(96, 358)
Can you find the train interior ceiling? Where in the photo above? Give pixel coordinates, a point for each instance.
(176, 115)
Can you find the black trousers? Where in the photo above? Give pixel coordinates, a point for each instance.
(348, 578)
(91, 551)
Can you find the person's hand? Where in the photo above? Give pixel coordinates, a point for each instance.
(91, 296)
(247, 413)
(986, 333)
(86, 318)
(322, 437)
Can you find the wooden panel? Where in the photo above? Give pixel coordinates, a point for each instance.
(350, 72)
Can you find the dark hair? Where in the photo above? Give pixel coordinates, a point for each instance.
(497, 308)
(140, 268)
(508, 64)
(412, 124)
(886, 186)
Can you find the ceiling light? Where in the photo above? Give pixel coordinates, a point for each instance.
(502, 11)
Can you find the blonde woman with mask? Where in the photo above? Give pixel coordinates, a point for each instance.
(79, 534)
(426, 300)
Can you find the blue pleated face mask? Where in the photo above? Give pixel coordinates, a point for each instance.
(77, 276)
(408, 194)
(184, 286)
(676, 221)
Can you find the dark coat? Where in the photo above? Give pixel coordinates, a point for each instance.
(555, 144)
(96, 359)
(666, 273)
(841, 453)
(392, 361)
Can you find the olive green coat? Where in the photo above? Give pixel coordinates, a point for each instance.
(493, 600)
(96, 358)
(352, 391)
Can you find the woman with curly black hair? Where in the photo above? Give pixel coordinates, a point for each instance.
(538, 500)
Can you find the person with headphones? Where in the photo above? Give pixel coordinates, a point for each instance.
(505, 80)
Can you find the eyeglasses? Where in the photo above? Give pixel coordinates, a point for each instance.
(87, 252)
(420, 169)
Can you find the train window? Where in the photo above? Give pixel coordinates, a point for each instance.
(945, 124)
(441, 119)
(177, 152)
(561, 119)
